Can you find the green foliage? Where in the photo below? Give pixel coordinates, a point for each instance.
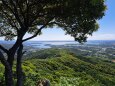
(65, 81)
(84, 70)
(1, 74)
(67, 70)
(77, 18)
(43, 54)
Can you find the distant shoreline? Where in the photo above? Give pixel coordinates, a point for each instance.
(54, 40)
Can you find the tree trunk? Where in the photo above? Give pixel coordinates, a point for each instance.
(8, 77)
(19, 67)
(8, 71)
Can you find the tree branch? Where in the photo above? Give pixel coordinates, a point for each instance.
(13, 11)
(20, 10)
(4, 61)
(38, 31)
(19, 52)
(59, 24)
(10, 20)
(2, 48)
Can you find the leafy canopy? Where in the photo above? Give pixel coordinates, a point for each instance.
(76, 17)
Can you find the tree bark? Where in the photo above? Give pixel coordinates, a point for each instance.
(8, 70)
(19, 67)
(8, 77)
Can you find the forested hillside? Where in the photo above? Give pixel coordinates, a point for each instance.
(64, 68)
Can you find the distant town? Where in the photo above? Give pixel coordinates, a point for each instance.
(103, 49)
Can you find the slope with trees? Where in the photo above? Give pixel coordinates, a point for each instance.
(66, 69)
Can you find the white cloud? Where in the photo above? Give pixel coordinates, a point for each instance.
(62, 36)
(53, 37)
(1, 38)
(67, 37)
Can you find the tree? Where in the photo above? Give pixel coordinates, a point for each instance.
(77, 18)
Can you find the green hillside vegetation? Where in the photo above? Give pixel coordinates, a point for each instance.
(63, 68)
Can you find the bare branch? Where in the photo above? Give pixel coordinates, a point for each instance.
(4, 49)
(4, 61)
(38, 31)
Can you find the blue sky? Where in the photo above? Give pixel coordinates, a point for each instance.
(105, 32)
(107, 23)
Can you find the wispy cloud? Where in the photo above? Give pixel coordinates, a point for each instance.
(67, 37)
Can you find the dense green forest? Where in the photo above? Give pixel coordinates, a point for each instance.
(64, 68)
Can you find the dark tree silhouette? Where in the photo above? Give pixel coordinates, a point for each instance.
(18, 17)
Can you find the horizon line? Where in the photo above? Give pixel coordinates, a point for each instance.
(60, 40)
